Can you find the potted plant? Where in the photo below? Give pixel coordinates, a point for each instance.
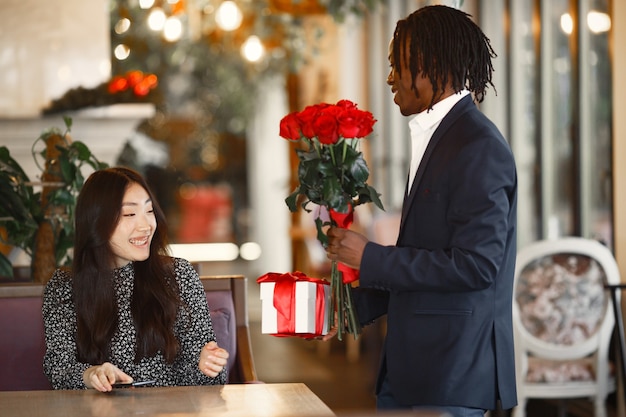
(41, 223)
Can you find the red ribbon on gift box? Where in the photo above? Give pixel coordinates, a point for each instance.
(285, 302)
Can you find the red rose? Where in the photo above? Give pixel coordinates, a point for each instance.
(325, 127)
(308, 116)
(366, 123)
(349, 123)
(355, 123)
(290, 127)
(346, 104)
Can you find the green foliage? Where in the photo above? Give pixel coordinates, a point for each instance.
(22, 212)
(339, 9)
(333, 176)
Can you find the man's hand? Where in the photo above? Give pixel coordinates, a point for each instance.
(345, 246)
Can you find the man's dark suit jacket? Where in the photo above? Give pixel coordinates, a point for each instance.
(446, 286)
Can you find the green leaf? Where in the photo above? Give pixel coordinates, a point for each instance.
(291, 200)
(61, 197)
(10, 165)
(6, 268)
(68, 122)
(321, 236)
(307, 154)
(369, 194)
(334, 196)
(12, 204)
(68, 170)
(358, 168)
(82, 151)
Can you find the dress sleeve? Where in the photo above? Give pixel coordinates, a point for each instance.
(194, 328)
(61, 365)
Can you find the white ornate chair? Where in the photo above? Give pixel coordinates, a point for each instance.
(563, 321)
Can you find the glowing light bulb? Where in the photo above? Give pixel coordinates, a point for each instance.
(250, 251)
(567, 24)
(156, 19)
(146, 4)
(252, 49)
(598, 22)
(228, 16)
(122, 26)
(121, 52)
(173, 29)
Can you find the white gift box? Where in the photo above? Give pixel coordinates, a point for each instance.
(305, 308)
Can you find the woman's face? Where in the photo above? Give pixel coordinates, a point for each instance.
(134, 231)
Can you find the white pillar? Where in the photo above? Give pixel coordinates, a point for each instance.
(268, 179)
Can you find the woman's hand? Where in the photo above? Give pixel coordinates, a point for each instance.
(102, 377)
(212, 359)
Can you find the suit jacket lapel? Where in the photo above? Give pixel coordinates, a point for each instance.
(464, 105)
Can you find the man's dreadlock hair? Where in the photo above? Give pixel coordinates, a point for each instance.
(446, 46)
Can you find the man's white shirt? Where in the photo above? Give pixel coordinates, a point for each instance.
(422, 127)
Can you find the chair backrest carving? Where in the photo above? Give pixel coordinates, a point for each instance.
(561, 298)
(563, 321)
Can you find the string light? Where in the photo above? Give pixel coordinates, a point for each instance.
(597, 22)
(173, 29)
(252, 49)
(567, 24)
(121, 52)
(156, 19)
(146, 4)
(228, 16)
(122, 26)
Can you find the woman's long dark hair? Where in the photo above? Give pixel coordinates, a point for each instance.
(155, 300)
(447, 47)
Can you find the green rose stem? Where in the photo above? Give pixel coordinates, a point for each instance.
(347, 321)
(354, 327)
(332, 154)
(336, 284)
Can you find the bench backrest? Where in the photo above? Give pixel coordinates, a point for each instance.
(22, 342)
(227, 300)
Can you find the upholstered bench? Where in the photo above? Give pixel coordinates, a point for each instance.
(22, 342)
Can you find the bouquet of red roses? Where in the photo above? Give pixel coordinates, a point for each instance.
(333, 174)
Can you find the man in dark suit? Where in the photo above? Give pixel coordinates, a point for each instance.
(446, 286)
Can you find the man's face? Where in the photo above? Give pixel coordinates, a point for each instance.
(410, 100)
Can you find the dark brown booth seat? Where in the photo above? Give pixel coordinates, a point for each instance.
(22, 343)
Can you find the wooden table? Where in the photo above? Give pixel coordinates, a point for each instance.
(232, 400)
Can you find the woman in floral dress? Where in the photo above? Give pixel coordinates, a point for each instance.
(126, 311)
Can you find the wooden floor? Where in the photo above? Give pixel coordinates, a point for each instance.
(345, 386)
(349, 387)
